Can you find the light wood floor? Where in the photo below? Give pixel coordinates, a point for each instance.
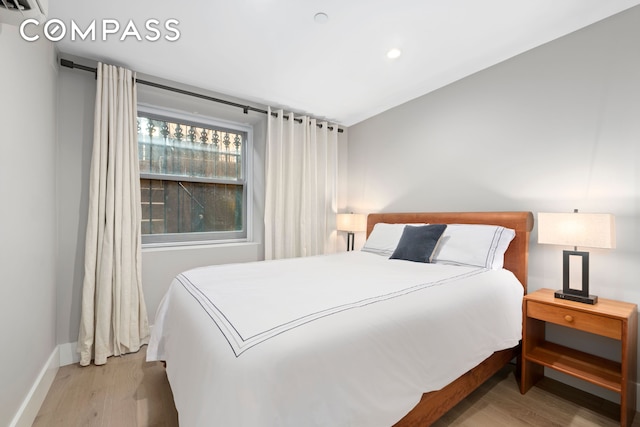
(125, 392)
(128, 391)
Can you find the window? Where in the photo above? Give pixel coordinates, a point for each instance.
(193, 178)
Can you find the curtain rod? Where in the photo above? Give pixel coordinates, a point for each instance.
(245, 108)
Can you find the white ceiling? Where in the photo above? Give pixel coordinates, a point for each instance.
(272, 52)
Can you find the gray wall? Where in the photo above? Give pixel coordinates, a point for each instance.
(27, 215)
(76, 97)
(553, 129)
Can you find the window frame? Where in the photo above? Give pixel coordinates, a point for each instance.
(209, 237)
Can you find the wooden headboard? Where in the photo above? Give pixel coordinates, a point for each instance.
(517, 256)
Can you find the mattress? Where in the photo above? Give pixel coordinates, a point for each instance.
(350, 339)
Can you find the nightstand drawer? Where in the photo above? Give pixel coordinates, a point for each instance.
(593, 323)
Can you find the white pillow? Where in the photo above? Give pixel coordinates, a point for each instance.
(384, 238)
(474, 244)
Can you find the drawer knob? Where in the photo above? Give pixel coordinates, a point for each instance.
(568, 318)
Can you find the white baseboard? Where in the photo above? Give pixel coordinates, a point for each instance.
(33, 401)
(590, 388)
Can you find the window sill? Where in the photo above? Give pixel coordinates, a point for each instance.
(173, 246)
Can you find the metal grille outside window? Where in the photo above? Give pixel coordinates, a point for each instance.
(192, 180)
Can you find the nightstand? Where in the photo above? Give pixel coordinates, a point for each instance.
(609, 318)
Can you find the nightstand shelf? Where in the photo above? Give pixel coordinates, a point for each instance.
(597, 370)
(614, 319)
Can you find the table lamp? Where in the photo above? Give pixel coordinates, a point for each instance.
(576, 229)
(351, 223)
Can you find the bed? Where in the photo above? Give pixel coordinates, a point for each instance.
(347, 339)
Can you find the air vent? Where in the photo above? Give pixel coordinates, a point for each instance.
(13, 12)
(17, 5)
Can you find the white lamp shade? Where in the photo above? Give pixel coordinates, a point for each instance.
(577, 229)
(352, 222)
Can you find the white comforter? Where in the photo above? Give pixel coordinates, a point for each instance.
(351, 339)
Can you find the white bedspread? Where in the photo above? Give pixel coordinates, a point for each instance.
(351, 339)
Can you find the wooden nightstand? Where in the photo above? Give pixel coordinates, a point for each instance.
(613, 319)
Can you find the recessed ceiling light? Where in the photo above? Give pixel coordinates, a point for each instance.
(394, 53)
(321, 18)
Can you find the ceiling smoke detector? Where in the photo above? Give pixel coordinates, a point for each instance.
(321, 18)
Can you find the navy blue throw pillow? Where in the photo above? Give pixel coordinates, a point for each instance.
(418, 242)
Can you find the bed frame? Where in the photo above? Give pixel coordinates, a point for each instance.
(436, 403)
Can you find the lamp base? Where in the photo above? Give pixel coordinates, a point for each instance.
(591, 299)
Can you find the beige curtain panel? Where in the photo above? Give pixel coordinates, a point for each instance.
(301, 187)
(114, 316)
